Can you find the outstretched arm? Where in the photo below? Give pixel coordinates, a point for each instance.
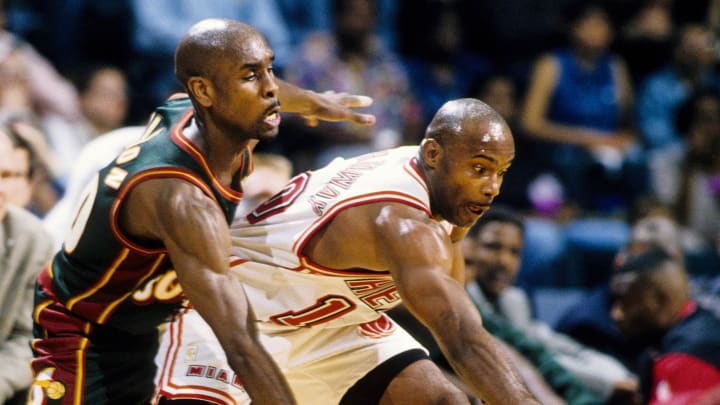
(328, 106)
(196, 235)
(435, 298)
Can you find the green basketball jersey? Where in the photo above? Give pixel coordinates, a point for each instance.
(104, 276)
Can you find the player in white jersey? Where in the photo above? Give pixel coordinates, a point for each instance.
(325, 257)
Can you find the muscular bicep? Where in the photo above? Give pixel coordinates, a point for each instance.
(188, 223)
(422, 260)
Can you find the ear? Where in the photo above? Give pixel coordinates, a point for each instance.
(431, 152)
(201, 90)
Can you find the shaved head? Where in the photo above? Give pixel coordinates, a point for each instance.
(462, 116)
(208, 42)
(467, 149)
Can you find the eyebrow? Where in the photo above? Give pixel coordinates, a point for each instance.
(255, 65)
(490, 158)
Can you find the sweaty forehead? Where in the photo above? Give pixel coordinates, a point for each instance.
(487, 139)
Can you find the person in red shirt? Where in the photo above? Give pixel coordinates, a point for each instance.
(653, 306)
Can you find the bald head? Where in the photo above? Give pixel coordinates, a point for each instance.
(209, 42)
(462, 117)
(649, 291)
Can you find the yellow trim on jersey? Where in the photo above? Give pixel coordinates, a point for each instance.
(106, 313)
(39, 308)
(80, 374)
(102, 282)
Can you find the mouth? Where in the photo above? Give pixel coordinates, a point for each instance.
(272, 117)
(477, 209)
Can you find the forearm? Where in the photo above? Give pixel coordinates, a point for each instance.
(531, 376)
(293, 98)
(564, 134)
(235, 330)
(260, 376)
(478, 357)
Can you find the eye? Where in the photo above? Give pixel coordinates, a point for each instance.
(252, 76)
(480, 169)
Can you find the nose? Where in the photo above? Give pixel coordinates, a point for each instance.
(491, 188)
(616, 313)
(270, 87)
(507, 259)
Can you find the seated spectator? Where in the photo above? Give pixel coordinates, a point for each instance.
(645, 36)
(438, 63)
(579, 101)
(494, 247)
(687, 178)
(35, 189)
(652, 306)
(589, 322)
(94, 156)
(30, 83)
(662, 92)
(24, 248)
(352, 58)
(104, 106)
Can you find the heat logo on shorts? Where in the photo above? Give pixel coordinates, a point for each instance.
(379, 328)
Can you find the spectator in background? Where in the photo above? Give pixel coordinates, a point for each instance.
(104, 105)
(34, 190)
(24, 248)
(352, 58)
(579, 100)
(306, 16)
(512, 33)
(439, 65)
(652, 306)
(645, 35)
(30, 83)
(92, 157)
(662, 92)
(589, 322)
(687, 178)
(75, 33)
(494, 248)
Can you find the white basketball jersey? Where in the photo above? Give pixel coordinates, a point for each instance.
(287, 290)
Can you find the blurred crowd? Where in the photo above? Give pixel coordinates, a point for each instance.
(614, 105)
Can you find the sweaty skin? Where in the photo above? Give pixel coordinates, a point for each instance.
(463, 158)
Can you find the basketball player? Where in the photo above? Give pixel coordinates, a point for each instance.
(324, 258)
(165, 203)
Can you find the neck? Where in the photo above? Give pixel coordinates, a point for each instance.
(223, 154)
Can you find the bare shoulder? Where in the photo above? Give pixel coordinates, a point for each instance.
(359, 236)
(399, 219)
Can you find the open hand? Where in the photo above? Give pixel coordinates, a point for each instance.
(333, 106)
